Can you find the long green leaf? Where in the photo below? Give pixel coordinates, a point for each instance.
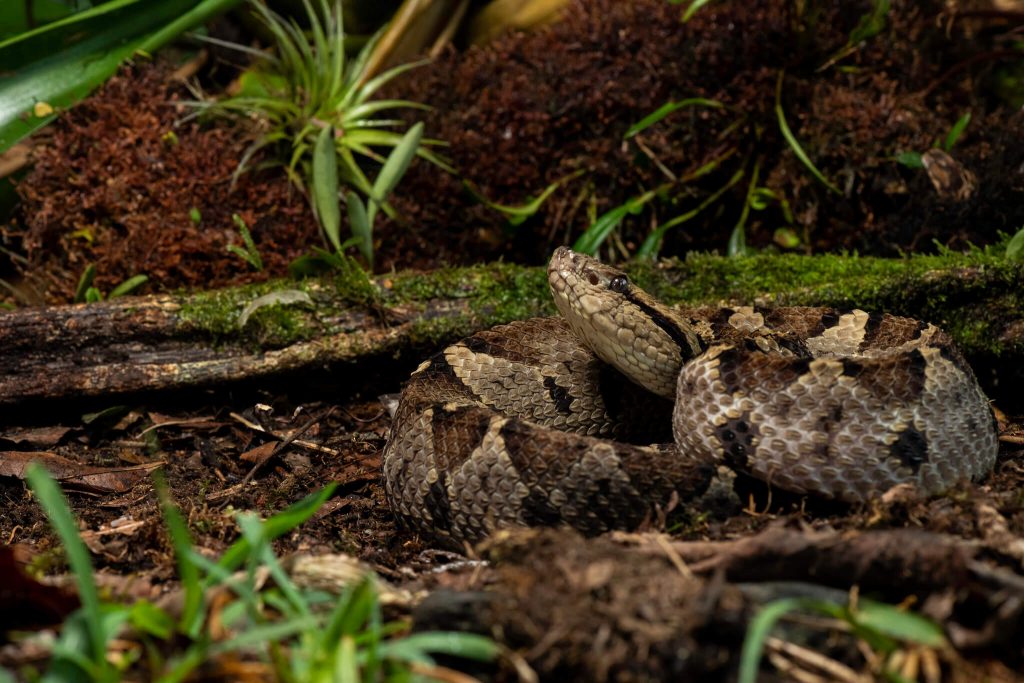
(325, 186)
(280, 523)
(668, 108)
(758, 631)
(794, 144)
(59, 514)
(55, 66)
(894, 622)
(361, 226)
(395, 167)
(597, 233)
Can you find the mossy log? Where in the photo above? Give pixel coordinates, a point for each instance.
(142, 344)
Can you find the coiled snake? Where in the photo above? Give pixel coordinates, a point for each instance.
(535, 423)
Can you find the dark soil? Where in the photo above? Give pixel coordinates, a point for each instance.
(532, 110)
(543, 595)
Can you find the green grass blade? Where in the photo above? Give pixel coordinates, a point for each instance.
(63, 522)
(668, 108)
(757, 633)
(418, 646)
(362, 111)
(695, 5)
(652, 243)
(361, 226)
(324, 185)
(188, 572)
(871, 23)
(85, 282)
(129, 286)
(794, 144)
(378, 82)
(956, 131)
(894, 622)
(278, 524)
(596, 234)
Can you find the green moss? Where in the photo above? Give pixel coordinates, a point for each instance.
(974, 309)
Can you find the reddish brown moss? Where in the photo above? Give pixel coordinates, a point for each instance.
(119, 181)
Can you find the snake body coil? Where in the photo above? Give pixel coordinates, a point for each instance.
(541, 422)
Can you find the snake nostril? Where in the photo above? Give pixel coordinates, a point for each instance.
(592, 278)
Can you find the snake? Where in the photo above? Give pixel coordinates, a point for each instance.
(623, 406)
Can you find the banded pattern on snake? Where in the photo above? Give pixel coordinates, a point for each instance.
(543, 421)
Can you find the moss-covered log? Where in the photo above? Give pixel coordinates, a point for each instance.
(164, 342)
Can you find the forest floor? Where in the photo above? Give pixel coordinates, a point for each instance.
(109, 186)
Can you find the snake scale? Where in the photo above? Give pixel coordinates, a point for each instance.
(546, 422)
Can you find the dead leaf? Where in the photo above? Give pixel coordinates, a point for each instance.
(24, 602)
(70, 474)
(948, 176)
(36, 437)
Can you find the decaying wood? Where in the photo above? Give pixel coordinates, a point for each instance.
(162, 342)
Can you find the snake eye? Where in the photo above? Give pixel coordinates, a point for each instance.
(619, 284)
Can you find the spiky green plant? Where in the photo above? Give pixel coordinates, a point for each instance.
(306, 85)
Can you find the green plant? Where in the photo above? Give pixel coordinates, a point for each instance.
(757, 198)
(249, 254)
(517, 215)
(361, 215)
(85, 292)
(310, 99)
(882, 627)
(956, 131)
(302, 635)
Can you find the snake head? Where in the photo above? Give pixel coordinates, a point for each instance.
(622, 324)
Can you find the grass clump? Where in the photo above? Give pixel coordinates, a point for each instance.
(297, 634)
(314, 105)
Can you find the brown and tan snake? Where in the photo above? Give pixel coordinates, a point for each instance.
(545, 421)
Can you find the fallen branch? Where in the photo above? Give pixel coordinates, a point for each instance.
(170, 342)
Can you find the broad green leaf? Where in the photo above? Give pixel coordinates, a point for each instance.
(53, 67)
(896, 623)
(394, 168)
(1015, 247)
(910, 159)
(325, 186)
(786, 238)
